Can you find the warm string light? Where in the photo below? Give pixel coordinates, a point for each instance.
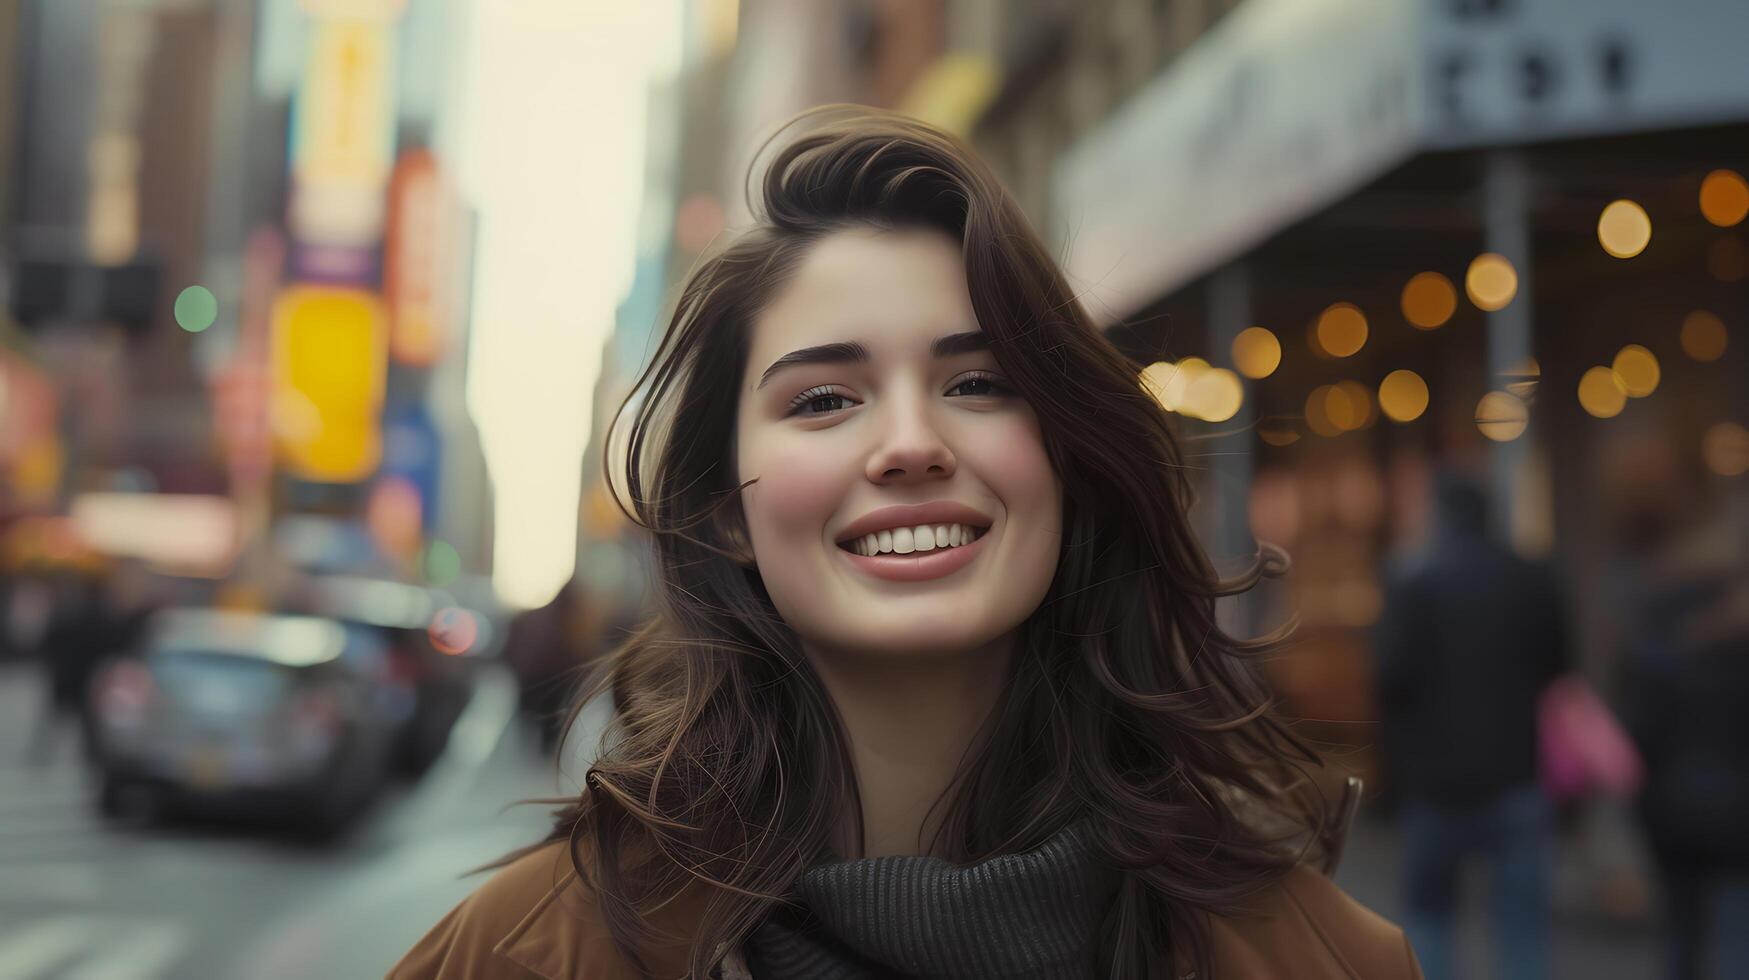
(1502, 416)
(1194, 388)
(1491, 282)
(1624, 229)
(1601, 394)
(1428, 301)
(1340, 331)
(1403, 396)
(1724, 198)
(1703, 336)
(1256, 352)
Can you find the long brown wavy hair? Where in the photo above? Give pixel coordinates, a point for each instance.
(1127, 708)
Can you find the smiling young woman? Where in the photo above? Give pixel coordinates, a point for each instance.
(933, 686)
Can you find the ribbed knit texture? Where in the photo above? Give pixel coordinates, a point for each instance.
(1031, 915)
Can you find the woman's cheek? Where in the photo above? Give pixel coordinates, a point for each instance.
(1012, 459)
(799, 490)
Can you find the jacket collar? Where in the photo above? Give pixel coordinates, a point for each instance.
(565, 935)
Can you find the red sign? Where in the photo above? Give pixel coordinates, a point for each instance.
(417, 246)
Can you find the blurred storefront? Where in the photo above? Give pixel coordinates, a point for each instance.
(1362, 240)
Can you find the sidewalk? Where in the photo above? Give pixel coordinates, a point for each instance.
(1589, 943)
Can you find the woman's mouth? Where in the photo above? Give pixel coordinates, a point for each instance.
(918, 540)
(914, 554)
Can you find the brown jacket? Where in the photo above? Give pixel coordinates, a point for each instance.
(533, 919)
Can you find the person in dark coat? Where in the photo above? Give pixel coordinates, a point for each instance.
(96, 618)
(1687, 686)
(78, 636)
(1469, 638)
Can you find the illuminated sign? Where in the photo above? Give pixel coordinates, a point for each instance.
(416, 246)
(330, 355)
(342, 144)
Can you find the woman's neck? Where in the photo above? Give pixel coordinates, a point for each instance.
(911, 720)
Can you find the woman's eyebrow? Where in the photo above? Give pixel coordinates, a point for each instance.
(850, 352)
(842, 353)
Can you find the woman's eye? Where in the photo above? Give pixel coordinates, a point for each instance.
(818, 401)
(979, 384)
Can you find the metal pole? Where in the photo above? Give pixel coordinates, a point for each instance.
(1511, 329)
(1232, 461)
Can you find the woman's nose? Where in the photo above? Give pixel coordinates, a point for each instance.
(911, 446)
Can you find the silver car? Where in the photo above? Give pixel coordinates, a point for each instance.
(289, 717)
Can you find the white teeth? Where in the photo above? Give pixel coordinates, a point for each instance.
(909, 540)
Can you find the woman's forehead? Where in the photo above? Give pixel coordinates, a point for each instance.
(880, 288)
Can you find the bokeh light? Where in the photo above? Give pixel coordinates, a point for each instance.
(1341, 330)
(1429, 300)
(1256, 352)
(1361, 412)
(1636, 371)
(1278, 432)
(1502, 416)
(1724, 198)
(1168, 382)
(1491, 282)
(1725, 447)
(1703, 336)
(1624, 229)
(442, 563)
(1601, 394)
(1521, 378)
(1213, 395)
(454, 631)
(196, 309)
(1342, 407)
(1318, 412)
(1403, 396)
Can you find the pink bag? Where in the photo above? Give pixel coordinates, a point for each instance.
(1584, 749)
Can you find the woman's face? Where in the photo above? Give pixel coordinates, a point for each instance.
(884, 438)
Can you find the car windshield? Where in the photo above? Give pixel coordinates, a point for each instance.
(216, 681)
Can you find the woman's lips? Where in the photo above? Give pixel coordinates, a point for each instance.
(917, 567)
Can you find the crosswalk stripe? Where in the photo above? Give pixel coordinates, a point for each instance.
(39, 946)
(77, 822)
(144, 951)
(47, 883)
(19, 805)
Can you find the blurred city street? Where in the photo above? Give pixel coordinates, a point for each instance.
(345, 367)
(1589, 944)
(84, 897)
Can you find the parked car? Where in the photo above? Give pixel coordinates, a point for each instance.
(437, 673)
(247, 713)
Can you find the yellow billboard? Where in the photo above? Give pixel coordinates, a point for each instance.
(330, 358)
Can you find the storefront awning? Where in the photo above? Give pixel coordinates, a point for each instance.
(1288, 106)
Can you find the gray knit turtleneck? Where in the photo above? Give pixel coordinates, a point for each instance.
(1031, 915)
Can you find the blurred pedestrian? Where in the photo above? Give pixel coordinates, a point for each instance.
(97, 616)
(73, 642)
(1687, 707)
(1469, 638)
(543, 650)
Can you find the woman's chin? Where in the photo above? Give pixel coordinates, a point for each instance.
(916, 639)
